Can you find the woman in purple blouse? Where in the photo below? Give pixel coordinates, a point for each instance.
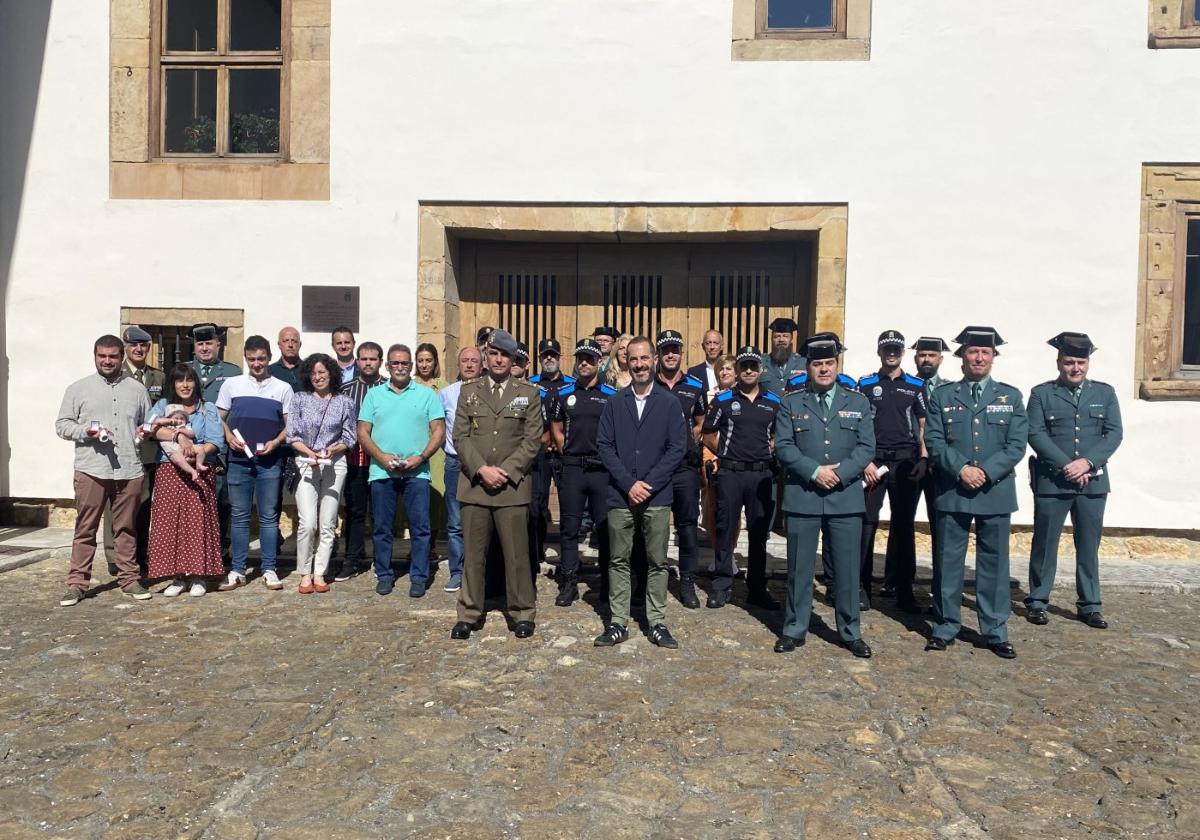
(321, 428)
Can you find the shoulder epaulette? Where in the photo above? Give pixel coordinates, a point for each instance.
(797, 380)
(726, 396)
(568, 380)
(569, 388)
(870, 379)
(771, 396)
(693, 381)
(607, 390)
(847, 382)
(536, 378)
(914, 380)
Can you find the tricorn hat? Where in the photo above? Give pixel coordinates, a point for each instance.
(783, 325)
(608, 331)
(932, 343)
(206, 332)
(978, 337)
(823, 345)
(1073, 344)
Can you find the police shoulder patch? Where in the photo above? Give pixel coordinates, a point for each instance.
(771, 396)
(693, 381)
(797, 380)
(725, 396)
(567, 389)
(607, 390)
(569, 380)
(868, 380)
(846, 382)
(536, 378)
(914, 380)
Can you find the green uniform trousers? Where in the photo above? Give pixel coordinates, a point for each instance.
(992, 596)
(655, 523)
(1049, 515)
(509, 524)
(845, 537)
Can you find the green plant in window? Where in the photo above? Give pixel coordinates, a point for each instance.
(200, 136)
(255, 134)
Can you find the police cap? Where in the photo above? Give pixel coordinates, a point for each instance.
(522, 354)
(748, 354)
(549, 347)
(667, 338)
(587, 347)
(890, 338)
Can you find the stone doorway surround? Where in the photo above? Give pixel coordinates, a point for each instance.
(442, 224)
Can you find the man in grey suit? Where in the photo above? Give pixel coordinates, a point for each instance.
(824, 439)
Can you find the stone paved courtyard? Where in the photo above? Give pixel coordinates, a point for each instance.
(259, 714)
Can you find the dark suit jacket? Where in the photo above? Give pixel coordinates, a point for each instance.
(700, 371)
(648, 450)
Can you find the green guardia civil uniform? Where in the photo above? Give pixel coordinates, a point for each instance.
(774, 377)
(1066, 424)
(987, 428)
(213, 376)
(811, 432)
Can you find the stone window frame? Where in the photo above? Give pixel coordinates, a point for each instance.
(233, 320)
(1173, 25)
(301, 173)
(1170, 197)
(849, 40)
(442, 224)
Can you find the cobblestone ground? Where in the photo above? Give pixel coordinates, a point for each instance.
(260, 714)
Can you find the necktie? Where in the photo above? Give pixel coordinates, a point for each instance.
(497, 387)
(823, 399)
(206, 373)
(976, 390)
(139, 373)
(1076, 392)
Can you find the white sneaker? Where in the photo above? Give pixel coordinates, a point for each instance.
(272, 580)
(176, 588)
(198, 589)
(232, 581)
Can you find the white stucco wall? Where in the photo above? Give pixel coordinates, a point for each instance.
(990, 155)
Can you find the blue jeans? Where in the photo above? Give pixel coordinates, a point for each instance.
(384, 492)
(454, 535)
(250, 483)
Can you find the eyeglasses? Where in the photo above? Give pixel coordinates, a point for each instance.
(399, 364)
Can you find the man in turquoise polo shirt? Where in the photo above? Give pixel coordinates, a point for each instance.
(401, 427)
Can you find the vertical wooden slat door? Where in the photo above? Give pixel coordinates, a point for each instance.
(529, 290)
(636, 289)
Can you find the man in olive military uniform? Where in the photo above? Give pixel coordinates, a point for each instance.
(497, 432)
(824, 439)
(213, 371)
(928, 359)
(898, 404)
(738, 430)
(782, 363)
(976, 433)
(137, 348)
(1074, 427)
(692, 394)
(548, 467)
(583, 482)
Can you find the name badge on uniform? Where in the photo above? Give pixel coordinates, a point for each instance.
(850, 415)
(999, 409)
(518, 405)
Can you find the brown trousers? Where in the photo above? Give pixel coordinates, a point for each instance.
(511, 528)
(91, 496)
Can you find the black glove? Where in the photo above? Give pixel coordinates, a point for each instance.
(920, 468)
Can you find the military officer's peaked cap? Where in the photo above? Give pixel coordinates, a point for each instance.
(503, 341)
(667, 337)
(824, 345)
(783, 325)
(1073, 344)
(748, 354)
(588, 347)
(484, 333)
(206, 332)
(932, 343)
(889, 338)
(522, 353)
(136, 335)
(978, 337)
(549, 346)
(608, 331)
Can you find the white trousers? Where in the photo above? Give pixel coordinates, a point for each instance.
(318, 496)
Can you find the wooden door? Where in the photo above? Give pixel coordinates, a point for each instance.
(636, 289)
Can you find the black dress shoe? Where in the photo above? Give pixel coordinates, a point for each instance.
(613, 634)
(1095, 620)
(687, 595)
(523, 629)
(864, 600)
(1004, 650)
(762, 598)
(937, 644)
(1037, 616)
(908, 605)
(718, 599)
(461, 630)
(859, 648)
(661, 636)
(786, 644)
(887, 591)
(567, 595)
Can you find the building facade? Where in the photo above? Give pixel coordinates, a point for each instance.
(420, 169)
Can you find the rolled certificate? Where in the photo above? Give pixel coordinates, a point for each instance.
(245, 447)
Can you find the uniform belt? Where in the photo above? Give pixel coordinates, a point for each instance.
(588, 462)
(734, 465)
(900, 454)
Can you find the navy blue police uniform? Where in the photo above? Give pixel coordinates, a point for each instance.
(745, 481)
(692, 394)
(898, 404)
(583, 481)
(547, 467)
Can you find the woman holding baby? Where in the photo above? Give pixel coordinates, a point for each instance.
(321, 428)
(185, 537)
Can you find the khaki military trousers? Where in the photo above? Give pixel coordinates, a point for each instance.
(510, 526)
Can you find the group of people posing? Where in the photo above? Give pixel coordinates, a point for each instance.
(629, 440)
